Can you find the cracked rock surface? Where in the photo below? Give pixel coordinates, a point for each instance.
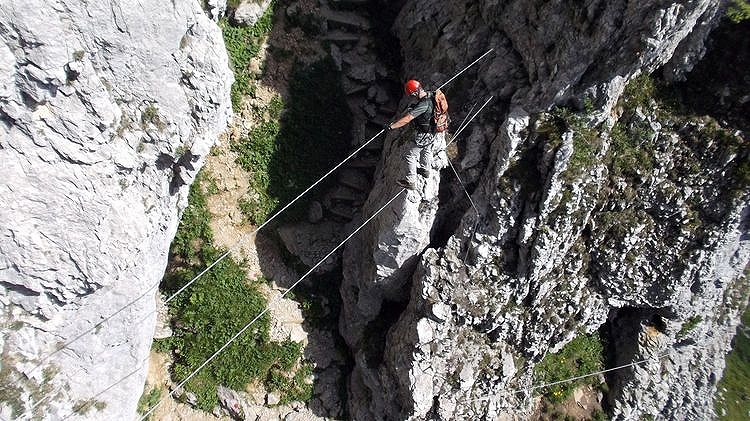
(560, 246)
(107, 111)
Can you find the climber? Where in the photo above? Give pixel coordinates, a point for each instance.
(427, 132)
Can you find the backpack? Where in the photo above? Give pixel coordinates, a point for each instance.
(440, 118)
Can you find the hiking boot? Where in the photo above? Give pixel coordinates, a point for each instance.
(405, 184)
(424, 172)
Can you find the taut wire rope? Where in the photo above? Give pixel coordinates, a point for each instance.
(95, 326)
(571, 379)
(278, 297)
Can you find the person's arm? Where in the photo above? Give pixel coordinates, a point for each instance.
(403, 121)
(415, 112)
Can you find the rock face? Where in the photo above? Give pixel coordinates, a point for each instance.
(107, 111)
(568, 239)
(249, 11)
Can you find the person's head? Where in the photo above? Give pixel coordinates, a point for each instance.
(412, 88)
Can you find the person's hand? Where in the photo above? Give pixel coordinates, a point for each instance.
(387, 127)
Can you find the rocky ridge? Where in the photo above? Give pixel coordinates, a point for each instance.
(107, 112)
(565, 244)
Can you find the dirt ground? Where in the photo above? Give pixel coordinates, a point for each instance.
(169, 409)
(581, 406)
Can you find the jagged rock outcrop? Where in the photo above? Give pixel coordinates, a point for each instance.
(565, 242)
(107, 111)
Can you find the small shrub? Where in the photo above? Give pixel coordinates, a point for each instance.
(580, 356)
(78, 55)
(150, 115)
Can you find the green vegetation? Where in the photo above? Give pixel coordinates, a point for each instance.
(582, 355)
(10, 389)
(151, 115)
(631, 152)
(295, 388)
(599, 415)
(586, 141)
(82, 407)
(14, 384)
(627, 154)
(255, 154)
(291, 149)
(689, 325)
(214, 309)
(639, 92)
(733, 398)
(738, 11)
(243, 43)
(148, 400)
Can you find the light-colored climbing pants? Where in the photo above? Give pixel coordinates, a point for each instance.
(423, 156)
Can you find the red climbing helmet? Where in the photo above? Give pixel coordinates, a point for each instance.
(411, 86)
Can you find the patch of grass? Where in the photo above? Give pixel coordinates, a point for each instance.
(149, 399)
(580, 356)
(212, 310)
(627, 155)
(293, 148)
(292, 389)
(638, 92)
(194, 231)
(732, 401)
(689, 325)
(243, 43)
(254, 155)
(586, 141)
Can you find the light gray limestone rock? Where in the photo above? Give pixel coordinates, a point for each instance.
(249, 11)
(107, 111)
(444, 333)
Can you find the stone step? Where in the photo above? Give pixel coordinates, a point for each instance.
(375, 145)
(369, 161)
(345, 19)
(343, 211)
(354, 179)
(348, 4)
(341, 37)
(346, 194)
